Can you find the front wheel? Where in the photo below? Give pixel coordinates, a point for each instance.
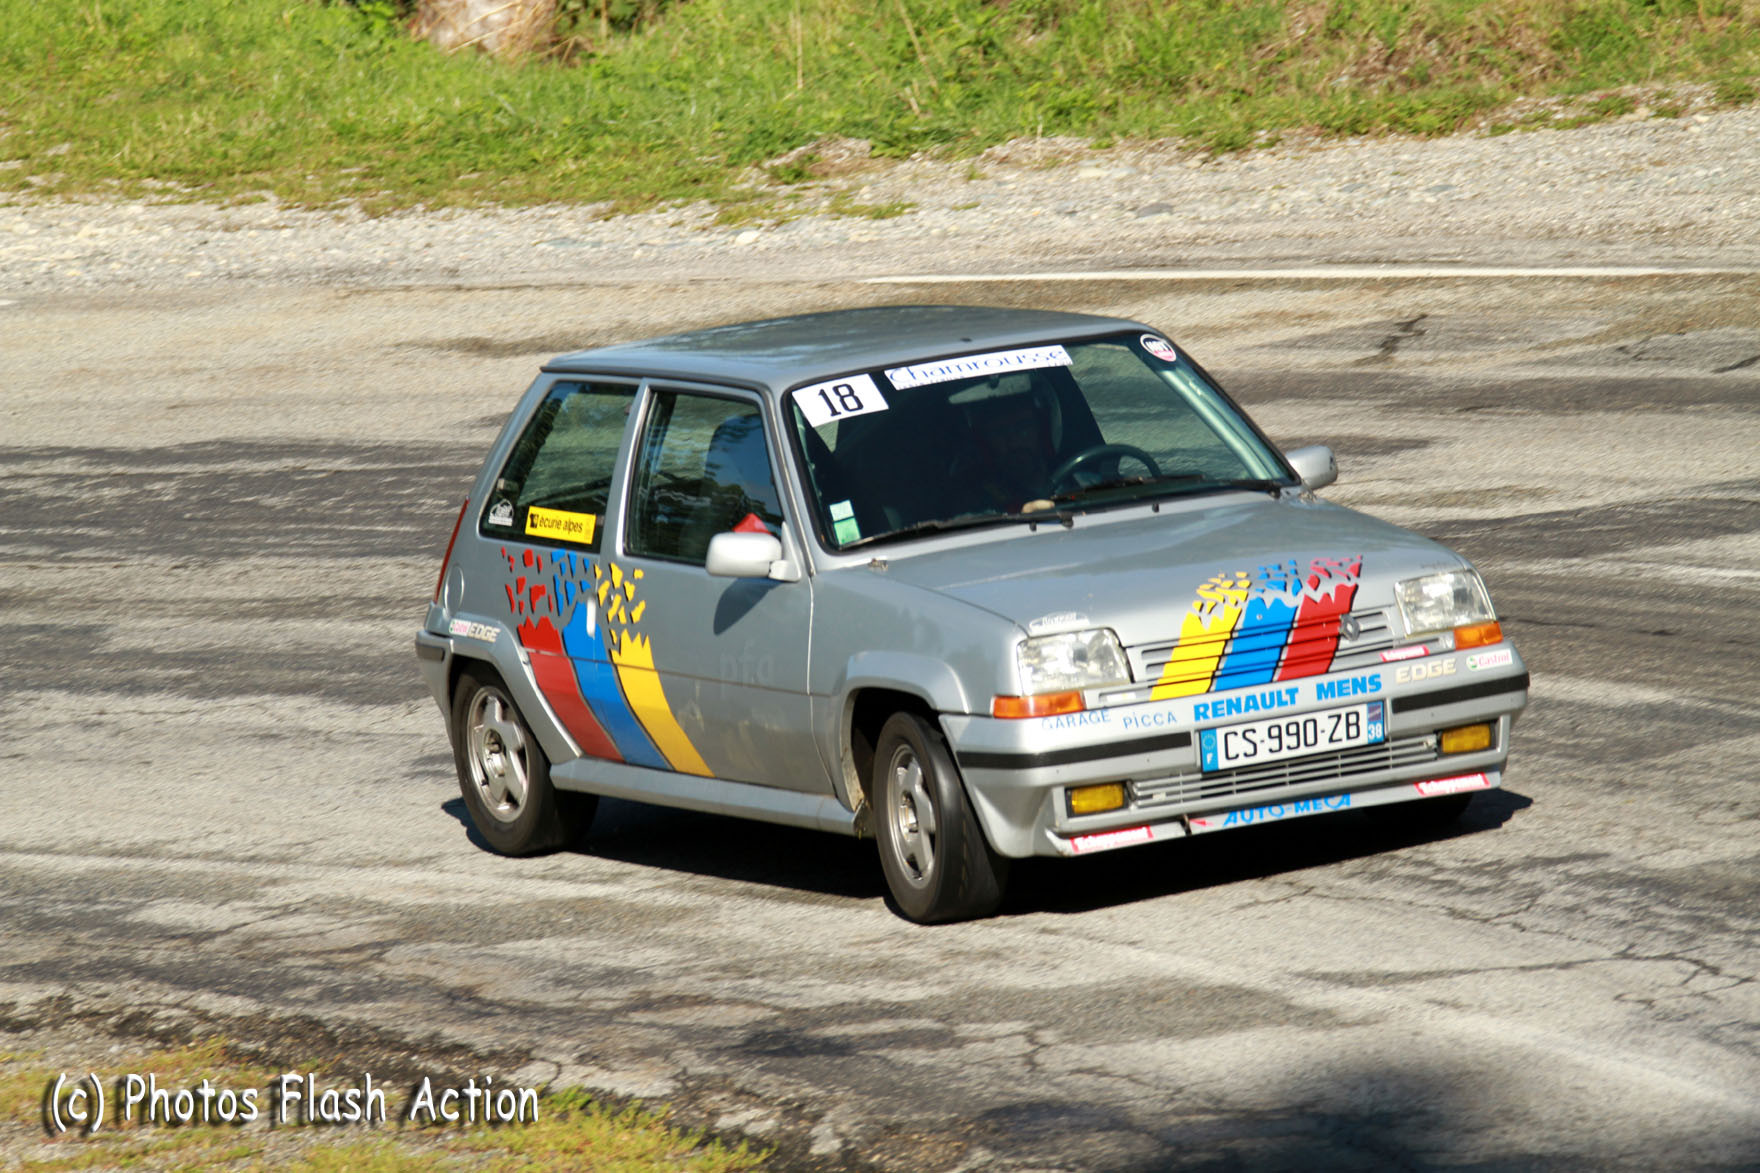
(937, 862)
(504, 774)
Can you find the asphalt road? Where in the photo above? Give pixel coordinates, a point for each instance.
(230, 806)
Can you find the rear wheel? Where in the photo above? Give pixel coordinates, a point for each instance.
(504, 774)
(937, 862)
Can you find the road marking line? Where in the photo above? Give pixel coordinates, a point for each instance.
(1314, 273)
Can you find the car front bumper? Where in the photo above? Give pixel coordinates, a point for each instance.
(1018, 772)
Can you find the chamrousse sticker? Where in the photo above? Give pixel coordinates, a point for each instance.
(561, 524)
(501, 513)
(995, 363)
(836, 399)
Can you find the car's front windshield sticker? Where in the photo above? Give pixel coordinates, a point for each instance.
(1160, 347)
(843, 522)
(996, 362)
(824, 403)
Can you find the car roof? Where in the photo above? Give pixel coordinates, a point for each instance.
(783, 352)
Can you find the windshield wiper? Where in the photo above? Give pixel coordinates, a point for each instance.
(1129, 482)
(1259, 484)
(942, 524)
(1180, 483)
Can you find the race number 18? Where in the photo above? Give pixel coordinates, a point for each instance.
(823, 403)
(847, 398)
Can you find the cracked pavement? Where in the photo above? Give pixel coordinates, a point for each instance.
(230, 805)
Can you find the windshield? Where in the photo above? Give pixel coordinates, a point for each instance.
(1002, 436)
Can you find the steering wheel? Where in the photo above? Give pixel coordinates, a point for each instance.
(1094, 452)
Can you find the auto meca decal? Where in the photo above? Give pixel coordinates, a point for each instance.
(592, 665)
(1278, 623)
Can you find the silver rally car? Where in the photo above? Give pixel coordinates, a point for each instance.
(980, 583)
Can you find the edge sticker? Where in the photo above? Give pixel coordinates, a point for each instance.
(465, 629)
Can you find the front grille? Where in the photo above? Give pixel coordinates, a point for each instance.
(1375, 637)
(1191, 788)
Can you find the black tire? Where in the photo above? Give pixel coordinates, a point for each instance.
(937, 862)
(504, 774)
(1424, 815)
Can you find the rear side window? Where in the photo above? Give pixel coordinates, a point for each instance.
(557, 481)
(702, 469)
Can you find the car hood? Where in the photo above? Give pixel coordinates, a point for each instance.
(1139, 574)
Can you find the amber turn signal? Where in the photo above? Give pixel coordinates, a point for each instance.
(1091, 800)
(1477, 635)
(1046, 704)
(1466, 739)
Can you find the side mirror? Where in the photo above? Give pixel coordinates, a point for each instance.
(739, 555)
(1315, 464)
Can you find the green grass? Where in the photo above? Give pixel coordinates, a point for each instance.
(319, 103)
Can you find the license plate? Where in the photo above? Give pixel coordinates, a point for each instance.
(1276, 738)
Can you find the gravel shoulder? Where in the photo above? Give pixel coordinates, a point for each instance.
(1654, 191)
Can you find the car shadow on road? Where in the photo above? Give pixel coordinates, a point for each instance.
(1418, 1112)
(721, 846)
(1183, 865)
(833, 865)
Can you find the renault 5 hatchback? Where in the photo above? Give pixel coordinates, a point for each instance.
(977, 583)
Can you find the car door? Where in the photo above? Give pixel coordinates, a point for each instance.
(715, 668)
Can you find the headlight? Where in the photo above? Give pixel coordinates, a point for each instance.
(1442, 602)
(1071, 660)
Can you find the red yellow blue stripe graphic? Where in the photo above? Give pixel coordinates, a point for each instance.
(596, 671)
(1278, 623)
(556, 680)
